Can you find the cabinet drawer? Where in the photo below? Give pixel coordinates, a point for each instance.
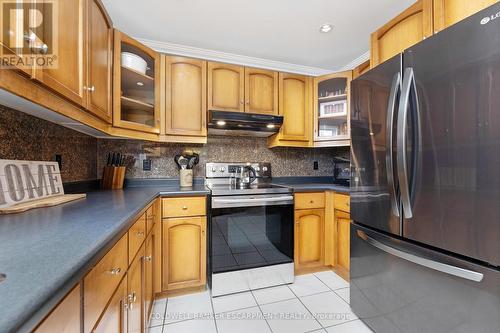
(342, 202)
(136, 236)
(102, 280)
(309, 200)
(183, 206)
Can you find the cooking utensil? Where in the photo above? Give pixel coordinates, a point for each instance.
(193, 160)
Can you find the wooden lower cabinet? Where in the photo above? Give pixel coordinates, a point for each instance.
(66, 317)
(309, 235)
(115, 317)
(135, 294)
(343, 224)
(148, 277)
(184, 252)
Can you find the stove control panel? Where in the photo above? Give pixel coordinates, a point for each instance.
(228, 170)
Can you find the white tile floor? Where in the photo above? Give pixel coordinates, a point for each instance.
(316, 302)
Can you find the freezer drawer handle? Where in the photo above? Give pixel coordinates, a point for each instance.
(438, 266)
(395, 89)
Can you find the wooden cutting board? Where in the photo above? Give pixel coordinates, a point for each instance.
(45, 202)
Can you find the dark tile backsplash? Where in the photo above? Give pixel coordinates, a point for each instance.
(26, 137)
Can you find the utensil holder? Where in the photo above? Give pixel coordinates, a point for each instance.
(113, 177)
(186, 177)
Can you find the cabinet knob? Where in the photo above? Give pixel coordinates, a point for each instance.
(248, 101)
(311, 201)
(242, 102)
(148, 258)
(140, 233)
(91, 89)
(184, 208)
(131, 300)
(115, 271)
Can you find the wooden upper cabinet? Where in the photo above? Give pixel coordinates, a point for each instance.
(136, 95)
(408, 28)
(226, 87)
(309, 238)
(100, 59)
(185, 96)
(66, 317)
(184, 252)
(448, 12)
(68, 77)
(295, 106)
(361, 69)
(261, 91)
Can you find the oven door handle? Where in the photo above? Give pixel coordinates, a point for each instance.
(221, 202)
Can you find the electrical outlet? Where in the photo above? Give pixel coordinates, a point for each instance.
(59, 161)
(146, 164)
(315, 165)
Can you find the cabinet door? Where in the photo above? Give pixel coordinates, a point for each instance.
(136, 94)
(261, 91)
(66, 316)
(405, 30)
(100, 57)
(448, 12)
(295, 106)
(309, 235)
(136, 294)
(184, 251)
(185, 96)
(148, 277)
(226, 87)
(157, 248)
(16, 44)
(114, 318)
(343, 223)
(332, 126)
(68, 78)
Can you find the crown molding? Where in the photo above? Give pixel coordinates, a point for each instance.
(196, 52)
(358, 61)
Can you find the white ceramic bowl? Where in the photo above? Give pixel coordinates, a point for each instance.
(134, 62)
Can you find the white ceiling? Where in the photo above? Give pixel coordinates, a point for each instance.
(283, 32)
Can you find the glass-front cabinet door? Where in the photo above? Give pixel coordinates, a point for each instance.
(136, 85)
(331, 110)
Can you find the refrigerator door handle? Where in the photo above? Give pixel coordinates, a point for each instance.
(395, 89)
(406, 90)
(432, 264)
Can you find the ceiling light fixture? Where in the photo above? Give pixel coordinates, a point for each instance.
(327, 27)
(221, 123)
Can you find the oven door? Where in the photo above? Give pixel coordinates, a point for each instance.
(251, 231)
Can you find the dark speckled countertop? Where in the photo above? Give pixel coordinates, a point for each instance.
(44, 252)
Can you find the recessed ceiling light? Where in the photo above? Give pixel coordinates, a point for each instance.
(327, 27)
(140, 84)
(270, 125)
(221, 123)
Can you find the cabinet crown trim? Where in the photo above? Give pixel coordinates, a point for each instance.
(232, 58)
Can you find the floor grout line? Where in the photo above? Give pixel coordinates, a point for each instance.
(213, 311)
(307, 307)
(262, 312)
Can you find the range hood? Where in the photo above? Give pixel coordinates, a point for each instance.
(243, 124)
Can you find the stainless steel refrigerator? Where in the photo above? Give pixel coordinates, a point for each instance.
(425, 200)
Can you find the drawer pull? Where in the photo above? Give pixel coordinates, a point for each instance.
(140, 233)
(115, 271)
(148, 258)
(184, 208)
(311, 201)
